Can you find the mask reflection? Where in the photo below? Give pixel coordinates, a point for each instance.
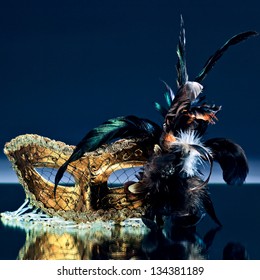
(124, 243)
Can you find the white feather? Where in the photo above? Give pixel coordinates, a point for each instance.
(192, 159)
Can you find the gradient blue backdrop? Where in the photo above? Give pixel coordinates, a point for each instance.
(67, 66)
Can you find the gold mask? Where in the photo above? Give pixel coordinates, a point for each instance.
(86, 196)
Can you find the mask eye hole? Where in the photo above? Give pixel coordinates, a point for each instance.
(48, 174)
(121, 176)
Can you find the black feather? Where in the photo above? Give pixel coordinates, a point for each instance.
(129, 126)
(217, 55)
(231, 158)
(182, 76)
(209, 208)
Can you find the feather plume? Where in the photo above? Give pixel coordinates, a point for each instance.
(194, 152)
(218, 54)
(231, 158)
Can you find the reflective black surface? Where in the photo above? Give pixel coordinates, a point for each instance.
(238, 208)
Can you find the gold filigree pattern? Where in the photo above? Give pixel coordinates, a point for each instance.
(89, 198)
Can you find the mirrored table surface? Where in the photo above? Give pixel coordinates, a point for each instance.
(237, 207)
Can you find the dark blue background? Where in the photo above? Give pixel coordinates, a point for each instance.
(67, 66)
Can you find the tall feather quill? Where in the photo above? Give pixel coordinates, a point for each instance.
(218, 54)
(182, 76)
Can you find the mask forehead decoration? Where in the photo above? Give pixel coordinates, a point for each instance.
(169, 183)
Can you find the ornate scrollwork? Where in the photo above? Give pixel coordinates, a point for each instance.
(89, 198)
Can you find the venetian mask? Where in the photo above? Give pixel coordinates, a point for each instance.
(93, 186)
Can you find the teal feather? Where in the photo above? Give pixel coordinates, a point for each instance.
(129, 126)
(168, 99)
(160, 109)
